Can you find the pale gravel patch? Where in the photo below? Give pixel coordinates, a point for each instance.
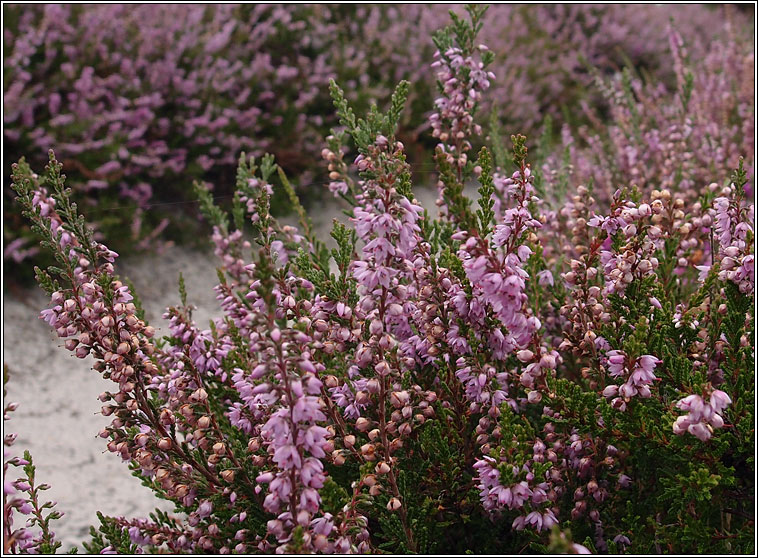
(58, 415)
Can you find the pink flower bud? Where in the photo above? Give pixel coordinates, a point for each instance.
(167, 417)
(394, 504)
(375, 327)
(362, 424)
(382, 368)
(399, 398)
(525, 355)
(373, 385)
(199, 395)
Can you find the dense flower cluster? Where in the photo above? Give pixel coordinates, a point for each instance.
(733, 231)
(638, 381)
(158, 93)
(463, 81)
(702, 417)
(467, 382)
(655, 137)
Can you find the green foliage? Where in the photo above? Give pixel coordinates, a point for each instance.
(213, 213)
(397, 103)
(686, 92)
(364, 132)
(42, 513)
(496, 141)
(457, 202)
(519, 151)
(462, 32)
(109, 534)
(25, 182)
(485, 213)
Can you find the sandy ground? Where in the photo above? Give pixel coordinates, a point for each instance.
(58, 415)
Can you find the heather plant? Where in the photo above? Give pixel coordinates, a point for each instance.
(450, 383)
(680, 139)
(132, 97)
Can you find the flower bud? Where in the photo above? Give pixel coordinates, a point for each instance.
(399, 398)
(167, 417)
(394, 504)
(382, 368)
(367, 450)
(338, 458)
(199, 395)
(373, 385)
(525, 355)
(534, 397)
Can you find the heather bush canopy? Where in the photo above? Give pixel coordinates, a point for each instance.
(141, 100)
(562, 363)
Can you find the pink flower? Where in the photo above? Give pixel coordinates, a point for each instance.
(287, 457)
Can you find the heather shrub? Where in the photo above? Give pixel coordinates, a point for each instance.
(680, 144)
(435, 384)
(679, 139)
(138, 101)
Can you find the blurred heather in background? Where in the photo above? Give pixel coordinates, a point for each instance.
(135, 99)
